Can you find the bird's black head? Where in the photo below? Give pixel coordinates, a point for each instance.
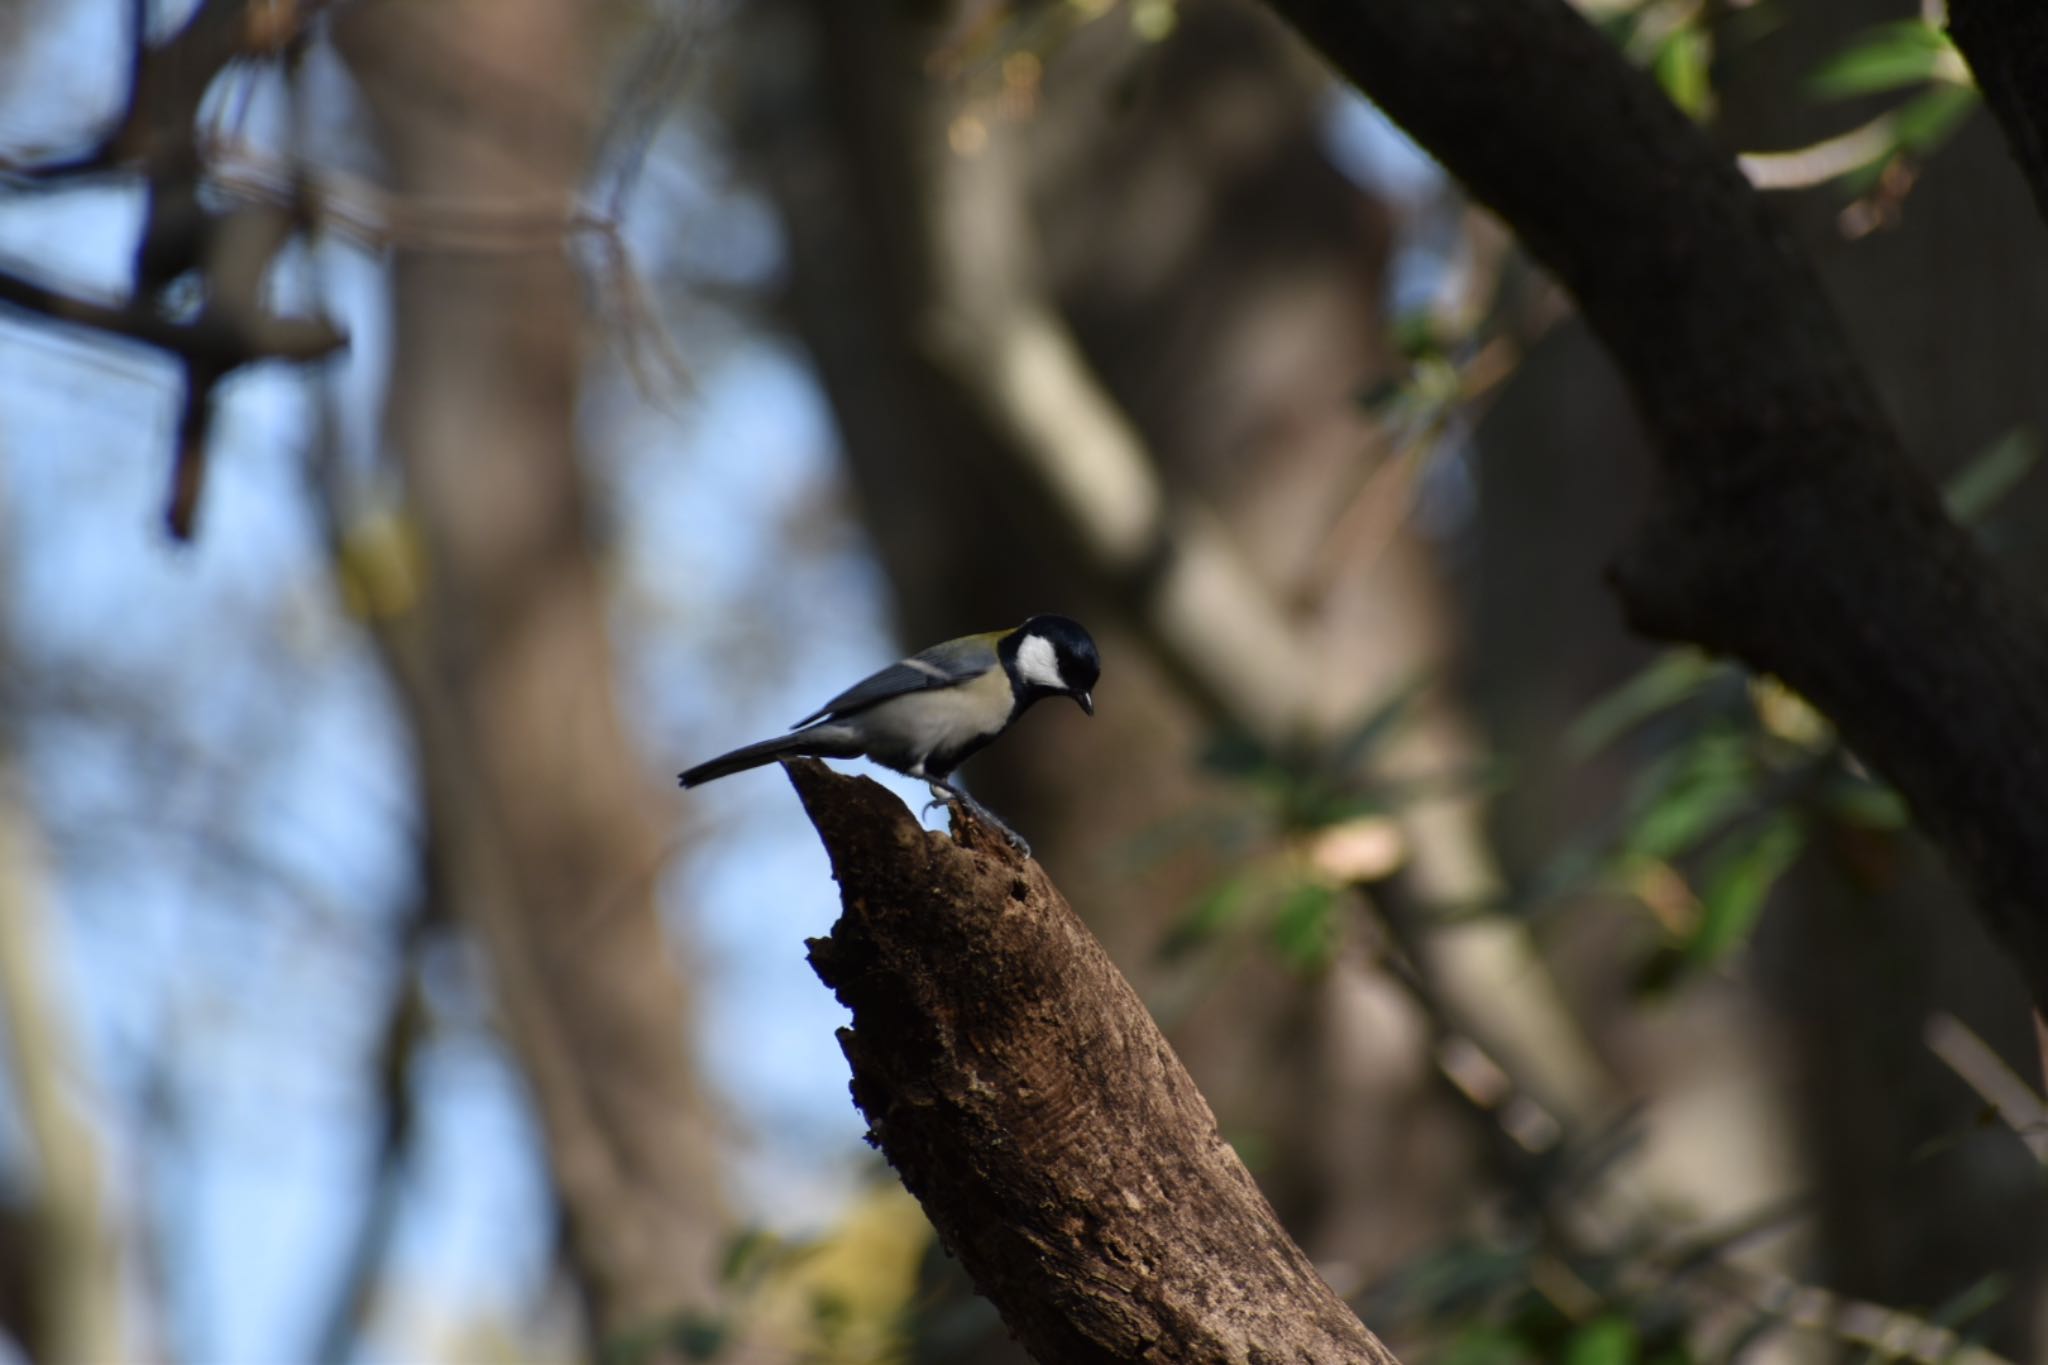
(1052, 656)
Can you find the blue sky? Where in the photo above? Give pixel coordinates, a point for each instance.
(229, 802)
(223, 779)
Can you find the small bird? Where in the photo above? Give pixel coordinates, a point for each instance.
(925, 715)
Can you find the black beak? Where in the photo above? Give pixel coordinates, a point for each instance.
(1086, 702)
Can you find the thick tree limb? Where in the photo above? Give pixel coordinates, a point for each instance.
(156, 138)
(1795, 534)
(2006, 44)
(210, 339)
(225, 336)
(1019, 1087)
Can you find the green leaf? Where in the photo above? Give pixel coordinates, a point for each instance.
(1218, 908)
(747, 1254)
(1603, 1341)
(700, 1337)
(1481, 1344)
(1417, 335)
(1992, 473)
(830, 1313)
(1868, 804)
(1924, 123)
(1681, 67)
(1668, 680)
(1691, 793)
(1973, 1302)
(1885, 57)
(1304, 928)
(692, 1335)
(1736, 885)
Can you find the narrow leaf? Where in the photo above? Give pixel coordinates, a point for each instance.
(1606, 1340)
(1886, 57)
(1303, 929)
(1669, 679)
(1735, 888)
(1220, 907)
(1691, 794)
(1868, 805)
(1681, 67)
(1925, 122)
(1992, 473)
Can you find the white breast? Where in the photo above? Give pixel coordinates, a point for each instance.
(905, 731)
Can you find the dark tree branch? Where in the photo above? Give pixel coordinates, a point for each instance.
(167, 83)
(2006, 44)
(209, 347)
(1019, 1087)
(1794, 532)
(209, 340)
(156, 138)
(220, 340)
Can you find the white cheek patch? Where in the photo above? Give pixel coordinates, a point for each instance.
(1036, 663)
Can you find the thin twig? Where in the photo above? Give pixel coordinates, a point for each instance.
(1997, 1084)
(205, 338)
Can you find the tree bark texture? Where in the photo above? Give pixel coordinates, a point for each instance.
(1019, 1087)
(1792, 532)
(539, 810)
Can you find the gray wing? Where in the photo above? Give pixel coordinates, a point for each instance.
(946, 665)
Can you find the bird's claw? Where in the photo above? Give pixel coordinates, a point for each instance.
(1015, 839)
(960, 801)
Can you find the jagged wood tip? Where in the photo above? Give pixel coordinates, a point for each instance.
(858, 813)
(1018, 1086)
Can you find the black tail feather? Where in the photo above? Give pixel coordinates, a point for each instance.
(803, 744)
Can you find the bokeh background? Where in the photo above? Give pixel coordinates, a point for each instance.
(370, 994)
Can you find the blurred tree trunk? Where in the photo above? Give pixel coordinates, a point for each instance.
(61, 1292)
(504, 663)
(60, 1288)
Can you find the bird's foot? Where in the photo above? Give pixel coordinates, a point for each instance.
(944, 794)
